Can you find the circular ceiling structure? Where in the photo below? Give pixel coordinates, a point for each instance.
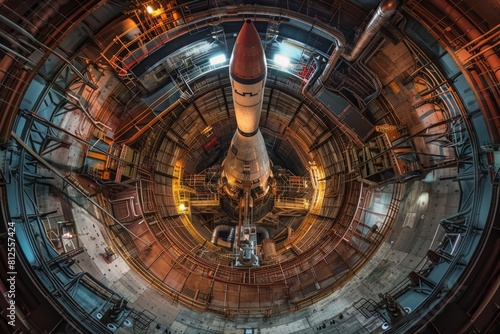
(131, 206)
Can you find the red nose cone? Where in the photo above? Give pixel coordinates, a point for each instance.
(248, 60)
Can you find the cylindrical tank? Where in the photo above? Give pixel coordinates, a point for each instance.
(268, 248)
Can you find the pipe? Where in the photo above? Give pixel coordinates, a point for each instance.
(17, 54)
(306, 91)
(494, 129)
(263, 231)
(15, 43)
(159, 117)
(9, 108)
(470, 31)
(217, 230)
(54, 170)
(384, 12)
(132, 205)
(329, 67)
(34, 27)
(43, 13)
(488, 106)
(231, 235)
(98, 124)
(25, 33)
(478, 42)
(240, 221)
(5, 65)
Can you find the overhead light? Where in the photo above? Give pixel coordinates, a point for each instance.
(423, 198)
(219, 59)
(150, 9)
(281, 60)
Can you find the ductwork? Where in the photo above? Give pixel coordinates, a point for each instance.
(217, 230)
(306, 90)
(384, 11)
(263, 232)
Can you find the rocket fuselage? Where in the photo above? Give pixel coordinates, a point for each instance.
(247, 163)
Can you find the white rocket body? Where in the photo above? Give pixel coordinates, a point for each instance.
(247, 162)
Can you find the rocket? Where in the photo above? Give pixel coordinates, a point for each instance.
(246, 166)
(246, 170)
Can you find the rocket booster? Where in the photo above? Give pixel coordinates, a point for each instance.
(247, 163)
(248, 71)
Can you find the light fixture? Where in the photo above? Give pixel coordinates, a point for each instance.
(281, 60)
(67, 235)
(149, 9)
(219, 59)
(182, 207)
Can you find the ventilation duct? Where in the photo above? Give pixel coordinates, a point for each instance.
(384, 12)
(217, 230)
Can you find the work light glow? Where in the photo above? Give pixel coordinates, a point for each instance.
(219, 59)
(281, 60)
